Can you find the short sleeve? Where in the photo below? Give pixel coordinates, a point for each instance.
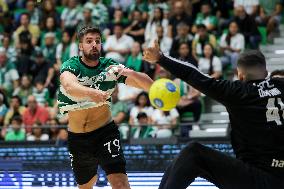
(70, 66)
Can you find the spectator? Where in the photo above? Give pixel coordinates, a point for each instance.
(231, 45)
(34, 113)
(24, 59)
(37, 134)
(16, 109)
(200, 39)
(6, 21)
(210, 64)
(119, 112)
(4, 7)
(49, 47)
(33, 11)
(250, 6)
(121, 4)
(62, 138)
(9, 77)
(206, 18)
(118, 45)
(3, 109)
(50, 26)
(11, 52)
(134, 60)
(248, 27)
(54, 114)
(41, 93)
(179, 15)
(127, 94)
(86, 19)
(164, 122)
(25, 25)
(70, 16)
(48, 9)
(164, 41)
(183, 36)
(184, 53)
(142, 104)
(118, 18)
(143, 129)
(154, 4)
(54, 130)
(99, 12)
(42, 69)
(189, 102)
(136, 28)
(151, 26)
(66, 49)
(24, 90)
(16, 133)
(188, 6)
(119, 109)
(141, 6)
(223, 10)
(270, 15)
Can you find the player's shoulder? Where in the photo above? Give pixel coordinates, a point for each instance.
(279, 81)
(73, 60)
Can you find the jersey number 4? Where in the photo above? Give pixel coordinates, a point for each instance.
(274, 108)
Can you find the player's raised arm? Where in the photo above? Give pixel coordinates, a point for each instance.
(220, 90)
(72, 87)
(133, 78)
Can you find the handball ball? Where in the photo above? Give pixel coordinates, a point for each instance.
(164, 94)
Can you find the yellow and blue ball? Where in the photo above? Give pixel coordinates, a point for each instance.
(164, 94)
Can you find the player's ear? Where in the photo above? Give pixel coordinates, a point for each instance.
(80, 46)
(240, 74)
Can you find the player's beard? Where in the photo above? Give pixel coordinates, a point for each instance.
(93, 55)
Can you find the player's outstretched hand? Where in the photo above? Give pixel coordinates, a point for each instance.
(152, 54)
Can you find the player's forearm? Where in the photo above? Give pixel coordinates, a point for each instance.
(183, 70)
(77, 90)
(140, 80)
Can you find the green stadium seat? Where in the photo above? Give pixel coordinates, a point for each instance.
(263, 33)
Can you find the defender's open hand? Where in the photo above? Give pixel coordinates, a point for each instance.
(152, 54)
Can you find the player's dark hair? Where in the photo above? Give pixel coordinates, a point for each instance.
(252, 59)
(252, 64)
(88, 29)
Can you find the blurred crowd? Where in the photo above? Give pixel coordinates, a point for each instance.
(36, 37)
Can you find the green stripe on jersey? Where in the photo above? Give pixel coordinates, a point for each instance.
(94, 77)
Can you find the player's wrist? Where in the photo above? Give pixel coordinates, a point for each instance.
(159, 56)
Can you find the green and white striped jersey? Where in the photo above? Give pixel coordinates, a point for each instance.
(94, 77)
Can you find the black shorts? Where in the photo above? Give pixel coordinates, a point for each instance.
(100, 147)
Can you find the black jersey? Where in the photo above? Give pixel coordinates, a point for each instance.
(256, 112)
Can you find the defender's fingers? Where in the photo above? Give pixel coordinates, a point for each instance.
(156, 44)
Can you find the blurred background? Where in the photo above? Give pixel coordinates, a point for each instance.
(36, 37)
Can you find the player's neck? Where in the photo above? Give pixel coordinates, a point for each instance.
(90, 63)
